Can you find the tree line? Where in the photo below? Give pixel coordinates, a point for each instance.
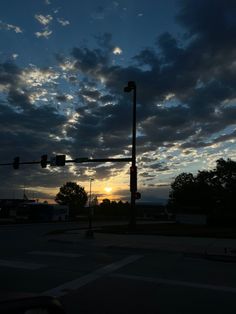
(75, 196)
(211, 192)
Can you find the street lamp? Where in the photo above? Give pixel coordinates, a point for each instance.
(133, 169)
(90, 201)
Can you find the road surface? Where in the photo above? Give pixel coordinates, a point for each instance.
(90, 279)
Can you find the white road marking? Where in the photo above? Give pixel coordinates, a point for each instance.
(61, 254)
(22, 265)
(177, 283)
(84, 280)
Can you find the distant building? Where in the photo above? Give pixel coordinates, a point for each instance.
(8, 207)
(191, 215)
(38, 212)
(191, 219)
(152, 210)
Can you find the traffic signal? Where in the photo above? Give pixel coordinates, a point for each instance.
(133, 179)
(16, 162)
(44, 161)
(58, 160)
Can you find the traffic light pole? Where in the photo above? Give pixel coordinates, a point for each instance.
(61, 161)
(133, 170)
(133, 174)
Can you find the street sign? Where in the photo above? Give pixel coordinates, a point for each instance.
(60, 160)
(137, 195)
(44, 161)
(53, 162)
(133, 179)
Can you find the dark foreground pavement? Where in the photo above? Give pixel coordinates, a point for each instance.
(118, 274)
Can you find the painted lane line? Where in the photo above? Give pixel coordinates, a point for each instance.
(61, 254)
(84, 280)
(22, 265)
(177, 283)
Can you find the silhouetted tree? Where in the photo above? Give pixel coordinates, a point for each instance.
(209, 191)
(73, 195)
(105, 203)
(182, 190)
(226, 182)
(113, 208)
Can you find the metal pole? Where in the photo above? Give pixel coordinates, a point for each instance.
(90, 210)
(133, 174)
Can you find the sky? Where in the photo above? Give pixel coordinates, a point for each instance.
(63, 68)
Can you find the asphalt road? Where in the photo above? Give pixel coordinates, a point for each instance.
(90, 279)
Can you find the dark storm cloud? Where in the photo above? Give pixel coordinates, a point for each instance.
(199, 71)
(94, 94)
(17, 98)
(184, 91)
(26, 131)
(89, 61)
(198, 143)
(62, 98)
(29, 132)
(9, 73)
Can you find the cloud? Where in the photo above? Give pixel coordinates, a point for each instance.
(64, 98)
(63, 22)
(15, 56)
(185, 101)
(45, 20)
(45, 34)
(198, 74)
(10, 27)
(34, 76)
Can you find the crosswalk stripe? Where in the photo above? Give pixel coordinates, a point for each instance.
(84, 280)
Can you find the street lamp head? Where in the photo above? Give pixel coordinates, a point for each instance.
(131, 86)
(127, 89)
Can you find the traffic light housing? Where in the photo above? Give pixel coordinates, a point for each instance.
(58, 160)
(44, 161)
(16, 163)
(133, 179)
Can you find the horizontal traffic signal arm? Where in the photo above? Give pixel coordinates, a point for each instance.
(76, 160)
(102, 160)
(21, 163)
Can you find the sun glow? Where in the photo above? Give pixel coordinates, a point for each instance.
(107, 189)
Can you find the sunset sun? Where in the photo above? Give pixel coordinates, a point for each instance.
(108, 189)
